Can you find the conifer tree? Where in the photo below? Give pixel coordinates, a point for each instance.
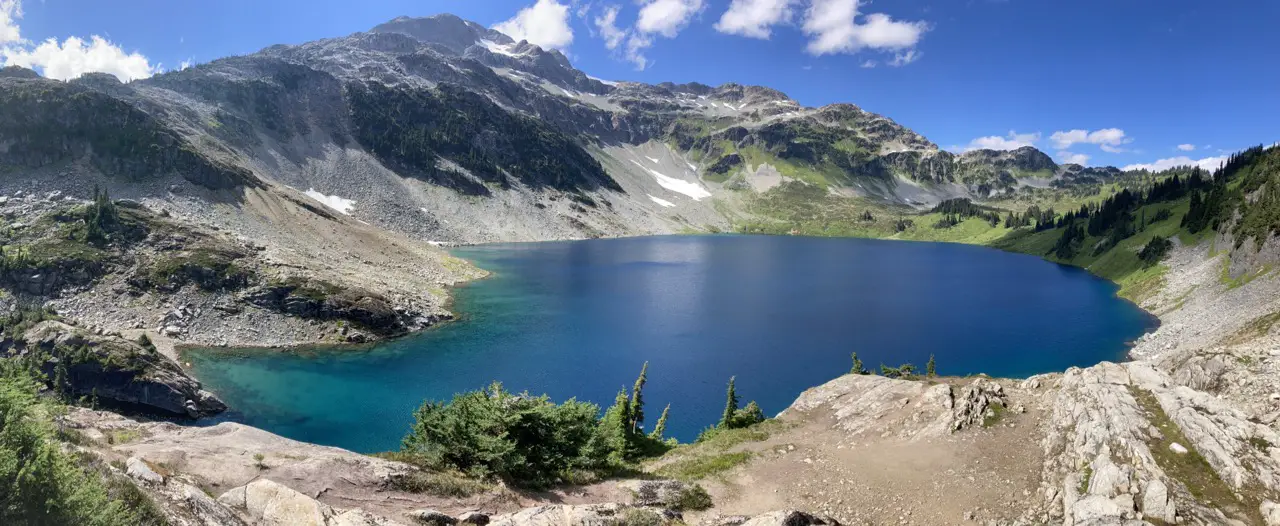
(730, 405)
(931, 368)
(660, 427)
(857, 365)
(636, 412)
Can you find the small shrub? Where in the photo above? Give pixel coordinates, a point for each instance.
(641, 517)
(903, 371)
(145, 342)
(694, 497)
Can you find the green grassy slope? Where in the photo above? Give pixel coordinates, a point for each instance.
(1248, 188)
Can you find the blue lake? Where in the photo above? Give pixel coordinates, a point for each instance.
(782, 314)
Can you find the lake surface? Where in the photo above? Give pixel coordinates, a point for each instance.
(781, 314)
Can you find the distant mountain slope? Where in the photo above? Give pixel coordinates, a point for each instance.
(446, 130)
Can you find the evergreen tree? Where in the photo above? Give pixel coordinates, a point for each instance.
(636, 412)
(931, 368)
(857, 366)
(60, 378)
(730, 405)
(660, 427)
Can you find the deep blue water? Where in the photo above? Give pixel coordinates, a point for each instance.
(781, 314)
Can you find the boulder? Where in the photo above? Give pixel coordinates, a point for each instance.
(1270, 513)
(975, 399)
(268, 503)
(136, 468)
(473, 518)
(1156, 502)
(207, 510)
(565, 515)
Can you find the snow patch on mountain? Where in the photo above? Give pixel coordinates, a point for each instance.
(339, 204)
(695, 191)
(665, 203)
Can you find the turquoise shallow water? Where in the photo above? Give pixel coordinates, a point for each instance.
(781, 313)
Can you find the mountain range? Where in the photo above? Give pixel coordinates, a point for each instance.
(444, 130)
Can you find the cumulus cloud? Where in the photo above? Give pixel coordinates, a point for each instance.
(1012, 141)
(10, 12)
(545, 23)
(1109, 139)
(868, 64)
(833, 27)
(607, 24)
(1073, 158)
(667, 17)
(754, 18)
(1207, 163)
(74, 57)
(1186, 147)
(636, 44)
(70, 58)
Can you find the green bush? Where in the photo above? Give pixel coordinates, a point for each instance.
(531, 441)
(694, 497)
(40, 483)
(493, 433)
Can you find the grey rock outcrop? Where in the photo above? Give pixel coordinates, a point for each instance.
(136, 468)
(118, 371)
(267, 503)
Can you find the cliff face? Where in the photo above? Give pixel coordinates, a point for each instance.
(115, 372)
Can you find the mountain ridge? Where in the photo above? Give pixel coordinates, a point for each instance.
(286, 114)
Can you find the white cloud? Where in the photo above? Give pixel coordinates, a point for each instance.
(753, 18)
(636, 44)
(10, 12)
(667, 17)
(75, 57)
(656, 18)
(1109, 139)
(545, 23)
(906, 57)
(607, 24)
(186, 64)
(1012, 141)
(1186, 147)
(868, 64)
(833, 27)
(1207, 163)
(69, 59)
(1073, 158)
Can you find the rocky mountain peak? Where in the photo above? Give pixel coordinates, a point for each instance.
(18, 72)
(449, 31)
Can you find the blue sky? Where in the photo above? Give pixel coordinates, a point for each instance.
(1123, 82)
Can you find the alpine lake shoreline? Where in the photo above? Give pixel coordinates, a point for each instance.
(179, 352)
